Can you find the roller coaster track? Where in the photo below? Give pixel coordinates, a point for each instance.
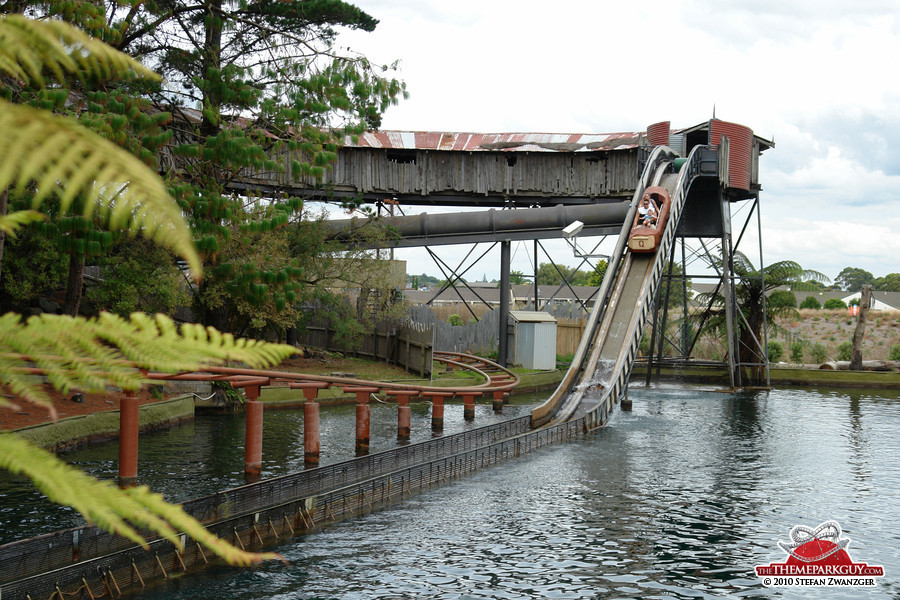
(494, 379)
(605, 356)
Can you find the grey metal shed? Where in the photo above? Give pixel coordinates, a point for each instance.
(535, 339)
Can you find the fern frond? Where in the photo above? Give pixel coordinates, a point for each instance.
(110, 508)
(69, 161)
(29, 47)
(92, 354)
(11, 223)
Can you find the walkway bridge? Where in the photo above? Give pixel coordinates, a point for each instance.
(94, 563)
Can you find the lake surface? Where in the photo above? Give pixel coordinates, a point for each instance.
(680, 498)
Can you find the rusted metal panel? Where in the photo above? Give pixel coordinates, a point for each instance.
(740, 147)
(480, 142)
(658, 133)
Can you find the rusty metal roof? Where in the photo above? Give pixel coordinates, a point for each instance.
(518, 142)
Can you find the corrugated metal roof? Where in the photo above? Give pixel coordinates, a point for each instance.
(529, 316)
(519, 142)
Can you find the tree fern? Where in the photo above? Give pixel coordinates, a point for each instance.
(58, 157)
(110, 508)
(29, 49)
(92, 354)
(11, 223)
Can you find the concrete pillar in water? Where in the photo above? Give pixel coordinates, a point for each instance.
(499, 400)
(362, 415)
(626, 401)
(129, 425)
(437, 408)
(253, 434)
(469, 404)
(403, 412)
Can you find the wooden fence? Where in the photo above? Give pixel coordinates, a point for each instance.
(410, 345)
(481, 337)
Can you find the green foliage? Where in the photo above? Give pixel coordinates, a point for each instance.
(782, 298)
(455, 320)
(834, 304)
(749, 295)
(517, 278)
(32, 266)
(775, 350)
(90, 354)
(851, 279)
(888, 283)
(68, 161)
(894, 354)
(810, 302)
(797, 352)
(599, 272)
(550, 274)
(845, 350)
(819, 352)
(138, 276)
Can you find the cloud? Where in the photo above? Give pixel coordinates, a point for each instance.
(815, 77)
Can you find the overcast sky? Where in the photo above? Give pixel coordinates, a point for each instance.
(818, 78)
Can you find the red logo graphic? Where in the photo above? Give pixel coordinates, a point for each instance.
(818, 558)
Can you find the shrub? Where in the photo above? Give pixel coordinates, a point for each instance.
(845, 350)
(782, 298)
(894, 354)
(455, 320)
(811, 302)
(819, 352)
(797, 352)
(835, 304)
(775, 350)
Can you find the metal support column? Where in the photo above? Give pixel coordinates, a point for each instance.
(728, 293)
(502, 349)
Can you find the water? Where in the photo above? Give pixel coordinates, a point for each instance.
(206, 455)
(680, 498)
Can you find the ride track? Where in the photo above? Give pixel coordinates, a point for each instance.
(496, 380)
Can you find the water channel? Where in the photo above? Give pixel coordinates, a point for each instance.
(680, 498)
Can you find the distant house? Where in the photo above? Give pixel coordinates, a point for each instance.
(521, 296)
(880, 300)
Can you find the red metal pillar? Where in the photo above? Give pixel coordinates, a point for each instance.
(403, 412)
(129, 426)
(253, 433)
(469, 404)
(310, 420)
(362, 415)
(437, 408)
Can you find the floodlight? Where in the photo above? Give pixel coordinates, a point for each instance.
(572, 229)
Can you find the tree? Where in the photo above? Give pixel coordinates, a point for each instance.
(888, 283)
(56, 156)
(551, 274)
(749, 291)
(517, 278)
(253, 87)
(851, 279)
(599, 272)
(811, 302)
